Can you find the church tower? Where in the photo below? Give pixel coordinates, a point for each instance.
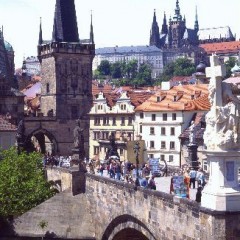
(66, 70)
(196, 26)
(154, 33)
(177, 27)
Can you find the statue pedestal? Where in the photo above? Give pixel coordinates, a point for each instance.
(192, 155)
(222, 192)
(77, 159)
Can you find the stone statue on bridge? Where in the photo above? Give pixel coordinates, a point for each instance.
(222, 131)
(112, 150)
(78, 135)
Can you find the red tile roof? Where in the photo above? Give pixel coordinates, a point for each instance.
(178, 98)
(222, 47)
(5, 125)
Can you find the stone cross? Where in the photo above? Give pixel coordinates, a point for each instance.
(216, 72)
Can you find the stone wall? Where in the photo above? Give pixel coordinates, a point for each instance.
(109, 208)
(116, 205)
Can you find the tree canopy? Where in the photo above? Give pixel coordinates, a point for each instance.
(22, 182)
(180, 67)
(229, 65)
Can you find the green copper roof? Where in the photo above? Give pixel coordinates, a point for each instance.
(8, 46)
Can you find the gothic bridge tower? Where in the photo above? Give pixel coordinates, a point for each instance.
(66, 72)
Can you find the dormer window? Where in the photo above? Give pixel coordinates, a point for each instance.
(174, 98)
(123, 107)
(158, 99)
(100, 107)
(192, 97)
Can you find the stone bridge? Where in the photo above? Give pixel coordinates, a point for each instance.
(105, 209)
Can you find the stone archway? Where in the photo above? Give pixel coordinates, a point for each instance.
(45, 140)
(128, 227)
(129, 234)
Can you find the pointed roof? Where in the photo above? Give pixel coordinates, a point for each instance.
(65, 22)
(196, 26)
(164, 25)
(40, 39)
(91, 31)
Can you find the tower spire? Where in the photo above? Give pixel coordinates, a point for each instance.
(196, 26)
(164, 26)
(40, 39)
(177, 15)
(65, 22)
(154, 33)
(91, 31)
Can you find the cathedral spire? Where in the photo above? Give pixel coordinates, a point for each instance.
(65, 22)
(40, 39)
(154, 33)
(196, 26)
(91, 31)
(164, 26)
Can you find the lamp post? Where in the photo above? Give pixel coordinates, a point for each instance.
(136, 149)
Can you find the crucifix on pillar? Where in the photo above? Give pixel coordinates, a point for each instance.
(221, 137)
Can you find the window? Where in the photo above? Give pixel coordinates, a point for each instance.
(162, 157)
(172, 145)
(172, 131)
(158, 99)
(164, 116)
(114, 121)
(121, 151)
(141, 115)
(140, 128)
(163, 131)
(174, 116)
(170, 159)
(97, 121)
(96, 135)
(105, 121)
(74, 112)
(205, 166)
(151, 156)
(96, 150)
(153, 117)
(47, 88)
(122, 121)
(163, 144)
(123, 106)
(151, 144)
(130, 120)
(100, 107)
(152, 131)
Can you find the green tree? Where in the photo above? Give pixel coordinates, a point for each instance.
(104, 68)
(229, 65)
(183, 67)
(144, 74)
(116, 70)
(131, 69)
(180, 67)
(22, 182)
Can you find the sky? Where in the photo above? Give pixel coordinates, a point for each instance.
(115, 22)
